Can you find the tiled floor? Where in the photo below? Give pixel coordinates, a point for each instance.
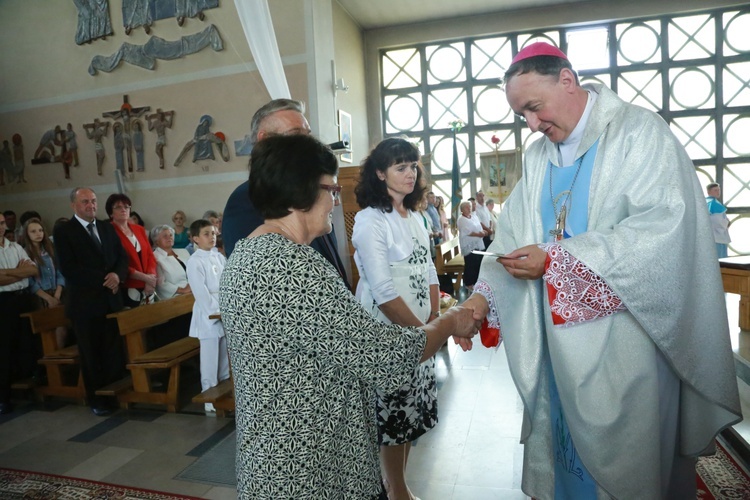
(473, 453)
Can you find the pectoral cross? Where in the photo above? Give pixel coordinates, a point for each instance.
(557, 233)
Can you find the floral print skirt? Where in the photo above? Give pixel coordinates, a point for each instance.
(406, 414)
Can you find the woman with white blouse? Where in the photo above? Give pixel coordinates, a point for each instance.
(470, 238)
(170, 263)
(398, 284)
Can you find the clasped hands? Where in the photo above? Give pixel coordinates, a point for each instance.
(112, 281)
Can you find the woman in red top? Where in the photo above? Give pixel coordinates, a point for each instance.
(141, 261)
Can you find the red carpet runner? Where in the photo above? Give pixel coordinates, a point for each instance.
(17, 484)
(722, 476)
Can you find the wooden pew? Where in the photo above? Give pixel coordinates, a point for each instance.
(222, 395)
(64, 377)
(133, 325)
(449, 261)
(735, 275)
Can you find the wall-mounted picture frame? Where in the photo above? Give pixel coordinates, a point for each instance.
(345, 133)
(500, 171)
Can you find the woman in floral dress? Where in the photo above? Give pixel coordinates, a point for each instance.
(398, 284)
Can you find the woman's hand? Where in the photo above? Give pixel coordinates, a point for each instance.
(463, 323)
(464, 343)
(150, 280)
(51, 301)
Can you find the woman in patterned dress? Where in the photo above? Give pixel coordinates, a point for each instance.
(305, 356)
(398, 284)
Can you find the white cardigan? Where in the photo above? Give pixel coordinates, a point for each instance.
(171, 275)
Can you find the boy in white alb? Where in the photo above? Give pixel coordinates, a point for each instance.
(204, 270)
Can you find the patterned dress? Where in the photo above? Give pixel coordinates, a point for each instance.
(306, 359)
(406, 414)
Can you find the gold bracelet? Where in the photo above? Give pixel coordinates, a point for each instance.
(435, 313)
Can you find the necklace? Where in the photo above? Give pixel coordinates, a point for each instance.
(557, 232)
(286, 233)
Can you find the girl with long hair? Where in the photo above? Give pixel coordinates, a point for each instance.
(49, 284)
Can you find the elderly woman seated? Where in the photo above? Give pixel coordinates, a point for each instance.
(306, 357)
(172, 276)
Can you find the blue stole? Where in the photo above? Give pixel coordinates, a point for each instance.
(572, 480)
(576, 200)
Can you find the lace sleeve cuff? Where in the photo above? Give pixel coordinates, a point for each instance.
(576, 293)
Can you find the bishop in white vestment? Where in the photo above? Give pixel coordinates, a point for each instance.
(611, 304)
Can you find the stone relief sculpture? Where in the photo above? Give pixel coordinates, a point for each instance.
(160, 121)
(136, 13)
(96, 131)
(19, 165)
(182, 9)
(203, 141)
(126, 114)
(138, 145)
(72, 143)
(47, 152)
(146, 55)
(6, 162)
(93, 20)
(119, 147)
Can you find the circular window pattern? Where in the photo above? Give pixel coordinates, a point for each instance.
(638, 43)
(404, 113)
(736, 134)
(442, 153)
(692, 88)
(736, 33)
(491, 105)
(446, 63)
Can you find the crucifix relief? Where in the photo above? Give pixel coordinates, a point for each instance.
(125, 116)
(160, 121)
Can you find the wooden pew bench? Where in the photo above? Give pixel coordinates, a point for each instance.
(64, 377)
(133, 325)
(735, 275)
(221, 396)
(450, 262)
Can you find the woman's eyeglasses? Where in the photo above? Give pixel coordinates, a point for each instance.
(335, 191)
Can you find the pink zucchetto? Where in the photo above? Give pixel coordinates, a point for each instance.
(538, 49)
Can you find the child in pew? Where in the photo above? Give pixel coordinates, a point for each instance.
(204, 270)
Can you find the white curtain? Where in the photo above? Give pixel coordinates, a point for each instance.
(256, 22)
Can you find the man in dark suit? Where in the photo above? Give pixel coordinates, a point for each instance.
(278, 117)
(94, 264)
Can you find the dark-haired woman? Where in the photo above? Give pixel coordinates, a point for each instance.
(398, 284)
(305, 355)
(142, 279)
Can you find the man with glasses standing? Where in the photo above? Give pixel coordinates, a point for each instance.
(278, 117)
(94, 264)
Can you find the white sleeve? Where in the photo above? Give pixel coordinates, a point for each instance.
(371, 239)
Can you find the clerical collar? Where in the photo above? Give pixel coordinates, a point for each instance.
(568, 148)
